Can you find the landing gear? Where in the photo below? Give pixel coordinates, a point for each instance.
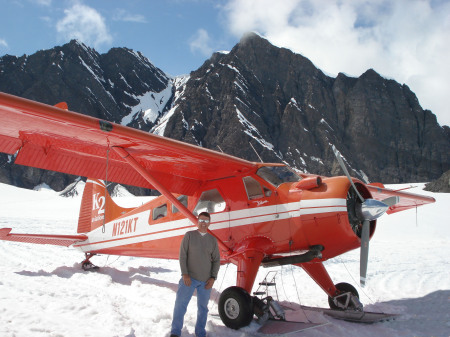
(88, 265)
(235, 308)
(348, 298)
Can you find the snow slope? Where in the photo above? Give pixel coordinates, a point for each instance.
(44, 292)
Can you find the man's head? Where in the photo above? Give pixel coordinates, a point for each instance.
(203, 222)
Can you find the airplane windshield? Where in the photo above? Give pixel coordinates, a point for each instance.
(277, 175)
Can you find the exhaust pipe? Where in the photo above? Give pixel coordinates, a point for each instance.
(314, 252)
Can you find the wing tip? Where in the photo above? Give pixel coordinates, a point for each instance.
(4, 232)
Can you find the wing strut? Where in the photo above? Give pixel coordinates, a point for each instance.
(164, 191)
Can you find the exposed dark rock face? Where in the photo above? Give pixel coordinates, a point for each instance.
(290, 111)
(103, 86)
(441, 185)
(257, 95)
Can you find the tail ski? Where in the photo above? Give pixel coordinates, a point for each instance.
(97, 207)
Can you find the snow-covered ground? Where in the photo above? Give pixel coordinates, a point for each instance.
(44, 292)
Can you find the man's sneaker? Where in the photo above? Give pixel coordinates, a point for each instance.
(173, 335)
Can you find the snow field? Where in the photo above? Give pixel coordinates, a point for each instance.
(44, 291)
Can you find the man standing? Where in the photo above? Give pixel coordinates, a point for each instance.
(200, 263)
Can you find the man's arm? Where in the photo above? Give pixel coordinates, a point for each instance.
(184, 248)
(215, 265)
(215, 260)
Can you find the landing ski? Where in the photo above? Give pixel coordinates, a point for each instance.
(284, 328)
(354, 315)
(296, 320)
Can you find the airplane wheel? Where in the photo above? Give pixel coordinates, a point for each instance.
(342, 288)
(235, 308)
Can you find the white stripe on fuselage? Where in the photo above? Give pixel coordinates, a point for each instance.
(136, 228)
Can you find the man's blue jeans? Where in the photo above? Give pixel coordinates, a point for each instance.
(184, 295)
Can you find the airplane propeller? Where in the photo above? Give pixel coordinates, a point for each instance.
(368, 210)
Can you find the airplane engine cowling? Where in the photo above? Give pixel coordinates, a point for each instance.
(353, 205)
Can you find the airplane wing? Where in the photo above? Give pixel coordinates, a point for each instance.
(56, 139)
(406, 201)
(58, 240)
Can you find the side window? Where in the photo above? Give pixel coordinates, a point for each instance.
(253, 188)
(210, 201)
(160, 212)
(184, 200)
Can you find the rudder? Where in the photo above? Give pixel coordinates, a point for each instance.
(97, 207)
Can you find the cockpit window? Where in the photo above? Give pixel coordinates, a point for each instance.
(277, 175)
(210, 201)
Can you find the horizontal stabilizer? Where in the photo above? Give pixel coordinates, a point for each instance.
(43, 239)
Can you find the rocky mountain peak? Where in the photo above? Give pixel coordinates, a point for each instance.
(256, 101)
(291, 112)
(120, 86)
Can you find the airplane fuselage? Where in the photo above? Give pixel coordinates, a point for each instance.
(283, 219)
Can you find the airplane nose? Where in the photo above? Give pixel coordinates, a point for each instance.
(371, 209)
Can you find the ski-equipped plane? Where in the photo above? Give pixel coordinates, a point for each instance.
(261, 214)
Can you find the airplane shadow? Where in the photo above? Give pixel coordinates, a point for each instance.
(425, 316)
(126, 278)
(141, 274)
(421, 316)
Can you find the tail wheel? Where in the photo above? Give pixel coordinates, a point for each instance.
(235, 308)
(342, 288)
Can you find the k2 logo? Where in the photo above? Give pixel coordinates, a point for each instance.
(98, 203)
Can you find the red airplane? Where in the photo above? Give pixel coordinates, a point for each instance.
(262, 214)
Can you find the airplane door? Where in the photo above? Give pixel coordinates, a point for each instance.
(262, 207)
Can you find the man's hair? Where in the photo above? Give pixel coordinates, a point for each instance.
(205, 214)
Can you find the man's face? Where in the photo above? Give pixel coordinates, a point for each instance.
(203, 223)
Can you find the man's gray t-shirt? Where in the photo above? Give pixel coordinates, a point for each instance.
(199, 256)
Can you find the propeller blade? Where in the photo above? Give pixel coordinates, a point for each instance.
(341, 163)
(364, 251)
(391, 201)
(364, 177)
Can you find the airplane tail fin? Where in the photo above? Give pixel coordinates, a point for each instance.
(97, 207)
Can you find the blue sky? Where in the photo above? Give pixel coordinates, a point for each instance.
(170, 33)
(406, 40)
